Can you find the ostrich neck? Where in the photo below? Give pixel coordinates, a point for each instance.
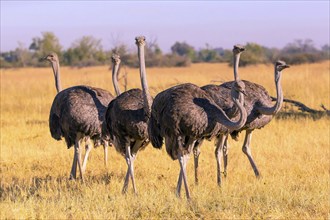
(56, 70)
(279, 100)
(234, 125)
(236, 62)
(115, 78)
(146, 96)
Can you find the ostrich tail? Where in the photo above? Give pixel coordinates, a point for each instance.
(54, 127)
(234, 135)
(154, 133)
(105, 132)
(106, 126)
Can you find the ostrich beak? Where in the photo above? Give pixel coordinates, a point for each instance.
(286, 66)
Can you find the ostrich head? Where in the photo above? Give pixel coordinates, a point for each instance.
(52, 57)
(279, 66)
(140, 40)
(115, 58)
(238, 49)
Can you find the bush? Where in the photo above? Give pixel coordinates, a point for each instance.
(88, 51)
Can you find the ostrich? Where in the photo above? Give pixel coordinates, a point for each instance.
(222, 98)
(260, 109)
(258, 105)
(131, 110)
(115, 58)
(77, 113)
(53, 59)
(184, 114)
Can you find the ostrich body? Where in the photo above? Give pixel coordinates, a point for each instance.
(260, 110)
(77, 113)
(185, 114)
(131, 111)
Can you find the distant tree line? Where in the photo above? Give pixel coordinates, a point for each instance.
(88, 51)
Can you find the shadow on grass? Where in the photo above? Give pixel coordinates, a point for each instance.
(17, 189)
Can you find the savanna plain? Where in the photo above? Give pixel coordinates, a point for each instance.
(292, 154)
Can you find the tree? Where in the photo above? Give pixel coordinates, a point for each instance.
(20, 57)
(208, 55)
(301, 51)
(126, 56)
(23, 55)
(254, 54)
(184, 49)
(49, 42)
(326, 51)
(272, 54)
(154, 54)
(43, 46)
(300, 46)
(86, 51)
(8, 59)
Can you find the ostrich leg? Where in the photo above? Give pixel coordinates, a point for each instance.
(218, 155)
(105, 148)
(196, 152)
(183, 159)
(78, 155)
(225, 156)
(178, 187)
(195, 145)
(73, 173)
(130, 171)
(247, 151)
(88, 150)
(126, 181)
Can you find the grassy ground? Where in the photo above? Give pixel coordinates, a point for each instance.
(292, 155)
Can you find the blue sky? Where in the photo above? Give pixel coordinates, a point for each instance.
(218, 23)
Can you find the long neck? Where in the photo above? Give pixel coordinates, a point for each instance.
(234, 125)
(115, 68)
(144, 84)
(279, 100)
(236, 62)
(56, 70)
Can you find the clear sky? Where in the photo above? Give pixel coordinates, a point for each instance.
(218, 23)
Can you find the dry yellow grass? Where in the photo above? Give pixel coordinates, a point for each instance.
(292, 155)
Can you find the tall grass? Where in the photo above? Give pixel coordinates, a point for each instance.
(292, 155)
